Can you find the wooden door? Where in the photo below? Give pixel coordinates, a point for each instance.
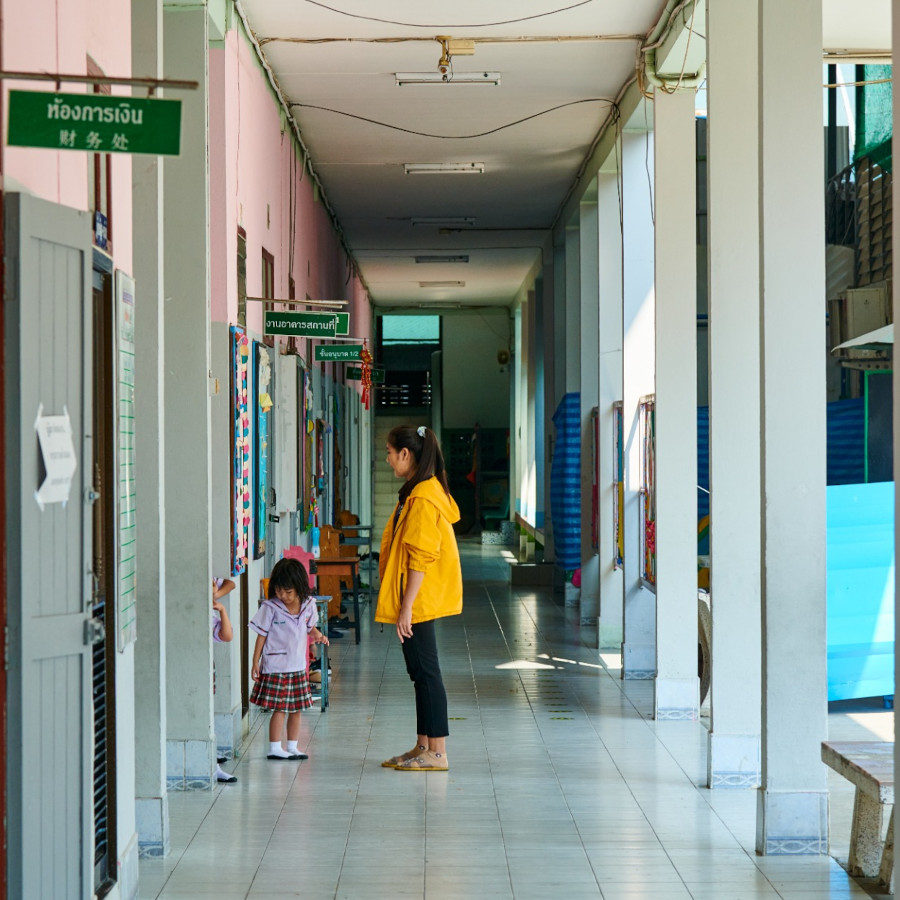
(48, 365)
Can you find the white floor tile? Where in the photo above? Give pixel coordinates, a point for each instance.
(561, 784)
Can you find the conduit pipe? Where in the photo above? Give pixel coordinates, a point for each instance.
(656, 37)
(307, 159)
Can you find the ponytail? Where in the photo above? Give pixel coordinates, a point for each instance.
(423, 445)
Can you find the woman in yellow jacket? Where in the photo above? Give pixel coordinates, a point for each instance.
(421, 581)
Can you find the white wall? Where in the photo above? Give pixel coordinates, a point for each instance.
(475, 390)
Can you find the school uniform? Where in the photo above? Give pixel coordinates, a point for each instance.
(283, 684)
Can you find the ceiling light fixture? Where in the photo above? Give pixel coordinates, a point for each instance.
(459, 258)
(444, 221)
(441, 284)
(405, 78)
(462, 168)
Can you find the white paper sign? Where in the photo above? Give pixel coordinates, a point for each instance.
(58, 452)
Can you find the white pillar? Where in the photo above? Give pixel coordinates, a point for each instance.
(191, 744)
(589, 337)
(793, 803)
(610, 626)
(151, 801)
(545, 400)
(733, 197)
(675, 256)
(638, 380)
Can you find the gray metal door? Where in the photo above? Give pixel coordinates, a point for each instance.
(47, 313)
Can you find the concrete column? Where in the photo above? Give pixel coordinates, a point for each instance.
(793, 803)
(529, 444)
(573, 308)
(638, 380)
(542, 289)
(556, 380)
(190, 735)
(610, 625)
(151, 801)
(675, 165)
(733, 198)
(589, 274)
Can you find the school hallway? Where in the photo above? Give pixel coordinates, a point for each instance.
(560, 782)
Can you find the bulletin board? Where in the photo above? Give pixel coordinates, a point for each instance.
(648, 490)
(262, 379)
(240, 445)
(126, 608)
(618, 485)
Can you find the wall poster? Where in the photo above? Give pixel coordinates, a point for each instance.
(262, 379)
(126, 595)
(240, 445)
(648, 490)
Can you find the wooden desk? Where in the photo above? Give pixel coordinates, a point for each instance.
(341, 567)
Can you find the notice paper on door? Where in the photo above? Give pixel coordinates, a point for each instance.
(58, 455)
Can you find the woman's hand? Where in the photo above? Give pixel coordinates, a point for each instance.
(404, 622)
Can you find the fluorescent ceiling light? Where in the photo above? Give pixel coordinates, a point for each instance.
(403, 78)
(461, 258)
(462, 168)
(441, 284)
(444, 221)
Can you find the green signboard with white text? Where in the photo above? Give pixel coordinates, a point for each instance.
(300, 324)
(354, 373)
(351, 353)
(97, 123)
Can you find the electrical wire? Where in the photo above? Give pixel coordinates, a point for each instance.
(454, 137)
(343, 12)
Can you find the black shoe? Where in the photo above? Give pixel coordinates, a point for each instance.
(337, 620)
(334, 634)
(315, 665)
(221, 759)
(228, 779)
(343, 610)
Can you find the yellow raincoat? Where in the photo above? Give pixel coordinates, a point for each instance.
(424, 542)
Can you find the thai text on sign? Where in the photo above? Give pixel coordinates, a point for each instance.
(351, 353)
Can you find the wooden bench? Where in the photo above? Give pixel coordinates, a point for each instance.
(869, 766)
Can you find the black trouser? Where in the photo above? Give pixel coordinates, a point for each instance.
(420, 653)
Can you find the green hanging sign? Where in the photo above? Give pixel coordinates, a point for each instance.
(97, 123)
(294, 324)
(354, 373)
(350, 353)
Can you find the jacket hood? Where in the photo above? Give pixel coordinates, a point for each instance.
(432, 491)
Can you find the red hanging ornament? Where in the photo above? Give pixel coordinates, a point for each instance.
(366, 358)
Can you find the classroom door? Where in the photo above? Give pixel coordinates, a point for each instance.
(47, 309)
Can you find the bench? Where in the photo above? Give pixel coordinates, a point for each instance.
(869, 766)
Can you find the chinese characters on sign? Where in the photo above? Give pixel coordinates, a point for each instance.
(94, 122)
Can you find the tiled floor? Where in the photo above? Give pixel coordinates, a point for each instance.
(560, 784)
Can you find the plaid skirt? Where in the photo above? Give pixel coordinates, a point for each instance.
(282, 691)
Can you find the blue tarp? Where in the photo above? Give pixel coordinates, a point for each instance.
(860, 591)
(565, 482)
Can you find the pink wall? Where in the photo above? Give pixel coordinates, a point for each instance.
(47, 36)
(254, 161)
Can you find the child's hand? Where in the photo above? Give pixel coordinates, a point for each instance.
(322, 639)
(254, 672)
(218, 606)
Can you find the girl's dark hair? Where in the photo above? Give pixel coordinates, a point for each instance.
(289, 574)
(425, 450)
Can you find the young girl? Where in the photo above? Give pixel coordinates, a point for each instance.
(282, 624)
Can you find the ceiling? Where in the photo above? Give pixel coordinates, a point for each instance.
(561, 64)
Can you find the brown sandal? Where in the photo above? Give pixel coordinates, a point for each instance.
(427, 761)
(395, 761)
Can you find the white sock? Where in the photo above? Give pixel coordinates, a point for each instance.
(292, 747)
(275, 749)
